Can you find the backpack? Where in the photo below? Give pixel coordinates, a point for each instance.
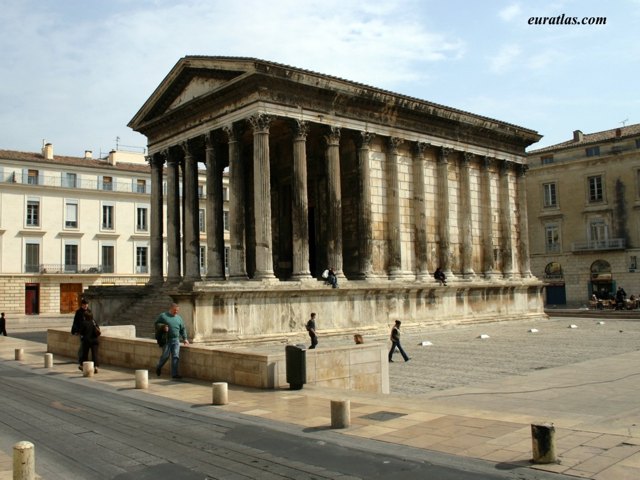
(161, 335)
(325, 274)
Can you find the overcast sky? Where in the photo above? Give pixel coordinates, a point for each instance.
(74, 72)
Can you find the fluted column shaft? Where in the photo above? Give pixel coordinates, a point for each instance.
(174, 248)
(262, 196)
(365, 225)
(506, 221)
(393, 199)
(443, 214)
(420, 212)
(214, 212)
(300, 211)
(465, 216)
(191, 204)
(523, 247)
(156, 221)
(334, 193)
(237, 199)
(488, 264)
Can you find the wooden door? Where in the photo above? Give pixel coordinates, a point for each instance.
(70, 297)
(32, 299)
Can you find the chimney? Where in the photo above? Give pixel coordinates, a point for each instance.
(577, 136)
(112, 157)
(88, 155)
(618, 132)
(47, 151)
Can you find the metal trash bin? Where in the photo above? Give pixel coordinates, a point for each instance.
(296, 359)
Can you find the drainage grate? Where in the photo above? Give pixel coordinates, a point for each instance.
(383, 416)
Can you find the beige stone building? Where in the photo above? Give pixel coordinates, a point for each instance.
(67, 223)
(584, 215)
(326, 172)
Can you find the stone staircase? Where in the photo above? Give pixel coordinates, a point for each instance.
(144, 311)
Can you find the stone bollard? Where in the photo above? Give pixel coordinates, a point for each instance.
(544, 444)
(48, 360)
(24, 461)
(87, 369)
(219, 393)
(142, 378)
(340, 413)
(19, 354)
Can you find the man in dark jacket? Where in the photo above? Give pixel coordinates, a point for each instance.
(78, 318)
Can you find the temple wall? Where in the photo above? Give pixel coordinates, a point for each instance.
(228, 314)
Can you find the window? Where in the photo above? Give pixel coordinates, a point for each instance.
(200, 191)
(598, 233)
(550, 199)
(637, 142)
(69, 180)
(107, 217)
(593, 151)
(595, 189)
(32, 177)
(201, 224)
(225, 194)
(141, 186)
(70, 257)
(552, 238)
(107, 259)
(633, 262)
(71, 214)
(225, 220)
(141, 260)
(141, 219)
(227, 252)
(203, 260)
(107, 183)
(32, 257)
(33, 213)
(546, 160)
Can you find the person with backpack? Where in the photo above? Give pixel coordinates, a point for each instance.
(311, 328)
(172, 324)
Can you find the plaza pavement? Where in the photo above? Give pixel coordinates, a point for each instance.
(461, 395)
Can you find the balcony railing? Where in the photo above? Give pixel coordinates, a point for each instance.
(56, 268)
(595, 245)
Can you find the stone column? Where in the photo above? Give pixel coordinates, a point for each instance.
(523, 246)
(393, 200)
(300, 211)
(488, 262)
(191, 204)
(365, 223)
(420, 212)
(334, 196)
(174, 248)
(156, 223)
(506, 207)
(213, 212)
(443, 213)
(262, 196)
(237, 196)
(465, 217)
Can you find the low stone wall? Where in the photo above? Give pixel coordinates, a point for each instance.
(355, 367)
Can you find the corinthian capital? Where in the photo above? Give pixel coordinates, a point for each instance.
(365, 139)
(301, 129)
(260, 122)
(333, 137)
(394, 143)
(444, 154)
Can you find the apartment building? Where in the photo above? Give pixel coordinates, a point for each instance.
(67, 223)
(584, 215)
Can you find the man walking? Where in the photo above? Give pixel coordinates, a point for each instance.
(395, 342)
(173, 324)
(311, 328)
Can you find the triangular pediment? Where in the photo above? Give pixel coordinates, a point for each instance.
(190, 79)
(197, 87)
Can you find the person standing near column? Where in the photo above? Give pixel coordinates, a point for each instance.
(3, 324)
(395, 342)
(176, 330)
(311, 328)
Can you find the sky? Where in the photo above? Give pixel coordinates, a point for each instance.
(74, 72)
